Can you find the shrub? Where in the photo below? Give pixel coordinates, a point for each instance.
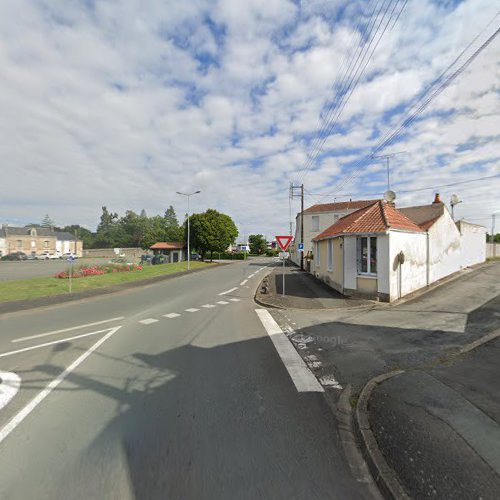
(83, 271)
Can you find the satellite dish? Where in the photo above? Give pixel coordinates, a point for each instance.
(454, 199)
(389, 196)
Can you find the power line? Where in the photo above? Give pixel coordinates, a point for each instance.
(433, 91)
(408, 190)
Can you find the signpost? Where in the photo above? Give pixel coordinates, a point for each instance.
(284, 243)
(300, 247)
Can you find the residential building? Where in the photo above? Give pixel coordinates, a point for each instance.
(316, 219)
(385, 253)
(172, 251)
(37, 241)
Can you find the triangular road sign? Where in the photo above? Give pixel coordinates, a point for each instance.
(284, 241)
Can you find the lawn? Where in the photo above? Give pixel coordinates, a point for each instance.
(42, 287)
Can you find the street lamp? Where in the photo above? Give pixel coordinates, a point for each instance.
(188, 195)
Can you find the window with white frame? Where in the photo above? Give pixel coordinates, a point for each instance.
(330, 254)
(367, 255)
(317, 254)
(315, 223)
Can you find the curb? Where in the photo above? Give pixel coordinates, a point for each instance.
(22, 305)
(384, 476)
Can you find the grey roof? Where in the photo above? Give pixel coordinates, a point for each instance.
(423, 213)
(64, 236)
(25, 231)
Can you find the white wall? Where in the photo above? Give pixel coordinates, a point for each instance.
(473, 243)
(350, 262)
(383, 264)
(445, 255)
(3, 246)
(412, 274)
(326, 219)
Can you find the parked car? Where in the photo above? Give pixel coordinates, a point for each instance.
(48, 256)
(67, 255)
(195, 256)
(15, 256)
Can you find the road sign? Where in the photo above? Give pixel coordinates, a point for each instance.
(71, 259)
(284, 255)
(284, 241)
(301, 247)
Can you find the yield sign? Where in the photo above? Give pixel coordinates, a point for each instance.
(284, 241)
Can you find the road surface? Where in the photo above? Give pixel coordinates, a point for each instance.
(174, 390)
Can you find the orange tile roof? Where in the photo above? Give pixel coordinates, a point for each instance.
(376, 218)
(171, 245)
(342, 205)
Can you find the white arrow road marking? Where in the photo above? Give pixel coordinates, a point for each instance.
(302, 377)
(21, 415)
(54, 332)
(10, 353)
(9, 385)
(229, 291)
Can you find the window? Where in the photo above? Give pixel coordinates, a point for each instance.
(19, 243)
(45, 244)
(317, 256)
(330, 254)
(315, 223)
(367, 255)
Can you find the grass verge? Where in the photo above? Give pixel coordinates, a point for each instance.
(43, 287)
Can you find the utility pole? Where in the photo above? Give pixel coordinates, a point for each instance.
(493, 234)
(293, 195)
(387, 157)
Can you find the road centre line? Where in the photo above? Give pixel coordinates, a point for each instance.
(191, 310)
(229, 291)
(171, 315)
(222, 302)
(54, 332)
(234, 300)
(302, 377)
(24, 349)
(243, 282)
(208, 306)
(148, 321)
(21, 415)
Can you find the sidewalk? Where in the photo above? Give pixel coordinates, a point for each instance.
(302, 291)
(439, 428)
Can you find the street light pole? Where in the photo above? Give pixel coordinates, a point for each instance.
(188, 195)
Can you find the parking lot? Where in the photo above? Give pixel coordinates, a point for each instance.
(17, 270)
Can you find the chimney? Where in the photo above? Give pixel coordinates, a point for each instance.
(437, 199)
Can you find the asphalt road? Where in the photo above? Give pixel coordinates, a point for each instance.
(18, 270)
(196, 404)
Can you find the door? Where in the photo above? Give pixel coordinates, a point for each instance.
(175, 256)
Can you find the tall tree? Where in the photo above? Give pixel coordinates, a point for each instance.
(212, 231)
(107, 220)
(47, 221)
(173, 232)
(257, 243)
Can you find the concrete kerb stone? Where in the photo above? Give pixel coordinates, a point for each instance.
(384, 476)
(50, 300)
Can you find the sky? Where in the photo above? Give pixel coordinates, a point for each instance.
(123, 103)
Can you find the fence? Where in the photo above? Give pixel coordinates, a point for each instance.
(492, 250)
(130, 253)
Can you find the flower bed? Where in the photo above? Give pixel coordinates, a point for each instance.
(82, 272)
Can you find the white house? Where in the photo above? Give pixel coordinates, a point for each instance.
(319, 217)
(385, 253)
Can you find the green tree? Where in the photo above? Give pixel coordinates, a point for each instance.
(257, 243)
(47, 221)
(211, 232)
(108, 219)
(173, 232)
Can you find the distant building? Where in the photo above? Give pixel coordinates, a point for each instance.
(38, 240)
(174, 251)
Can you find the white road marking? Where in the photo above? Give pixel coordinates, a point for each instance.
(24, 349)
(148, 321)
(222, 302)
(302, 377)
(171, 315)
(21, 415)
(9, 385)
(191, 310)
(54, 332)
(229, 291)
(329, 381)
(251, 276)
(208, 306)
(243, 282)
(234, 300)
